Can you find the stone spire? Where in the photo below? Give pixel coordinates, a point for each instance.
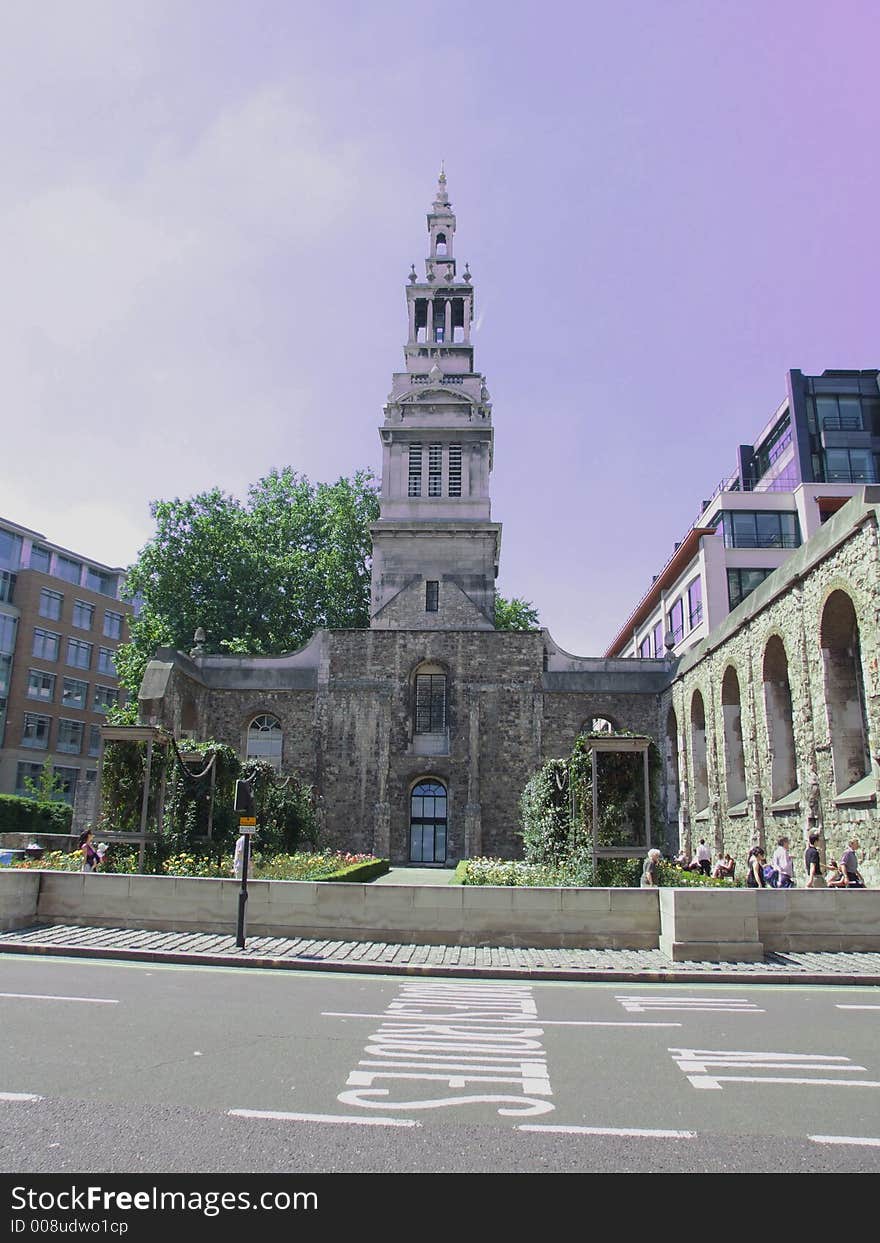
(435, 546)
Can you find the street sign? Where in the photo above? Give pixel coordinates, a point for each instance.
(247, 822)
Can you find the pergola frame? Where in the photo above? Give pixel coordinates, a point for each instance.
(611, 743)
(153, 737)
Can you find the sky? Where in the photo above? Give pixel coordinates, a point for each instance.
(208, 210)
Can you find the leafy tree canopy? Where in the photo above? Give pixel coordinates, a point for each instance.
(515, 614)
(259, 576)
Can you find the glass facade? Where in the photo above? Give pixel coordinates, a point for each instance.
(113, 625)
(68, 569)
(41, 685)
(79, 654)
(70, 737)
(741, 583)
(46, 644)
(749, 528)
(10, 550)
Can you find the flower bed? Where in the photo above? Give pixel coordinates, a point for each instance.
(326, 865)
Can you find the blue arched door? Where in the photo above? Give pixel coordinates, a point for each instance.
(427, 823)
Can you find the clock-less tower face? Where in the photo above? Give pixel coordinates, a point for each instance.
(435, 547)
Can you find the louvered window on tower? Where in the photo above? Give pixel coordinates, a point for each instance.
(430, 703)
(415, 470)
(435, 470)
(455, 470)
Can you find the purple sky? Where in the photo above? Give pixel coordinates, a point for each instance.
(208, 212)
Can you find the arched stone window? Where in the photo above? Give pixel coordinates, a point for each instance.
(844, 691)
(441, 243)
(672, 775)
(734, 755)
(265, 740)
(699, 769)
(427, 822)
(780, 727)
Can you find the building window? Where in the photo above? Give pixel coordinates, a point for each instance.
(676, 621)
(35, 732)
(94, 740)
(41, 685)
(41, 559)
(435, 470)
(105, 661)
(430, 702)
(695, 602)
(5, 675)
(839, 413)
(741, 583)
(26, 772)
(10, 550)
(105, 584)
(849, 466)
(68, 569)
(106, 697)
(75, 694)
(46, 644)
(432, 596)
(659, 649)
(70, 737)
(83, 614)
(753, 529)
(427, 823)
(265, 740)
(645, 647)
(7, 633)
(455, 470)
(112, 625)
(79, 654)
(68, 778)
(415, 470)
(50, 604)
(7, 586)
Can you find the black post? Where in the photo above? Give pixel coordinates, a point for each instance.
(242, 893)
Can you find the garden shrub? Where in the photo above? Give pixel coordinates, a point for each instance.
(29, 815)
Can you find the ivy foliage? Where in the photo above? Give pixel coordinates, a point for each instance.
(556, 815)
(259, 576)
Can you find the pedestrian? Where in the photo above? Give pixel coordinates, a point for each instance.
(651, 870)
(812, 863)
(86, 847)
(835, 877)
(704, 857)
(849, 866)
(783, 864)
(755, 878)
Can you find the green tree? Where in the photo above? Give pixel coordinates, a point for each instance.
(259, 576)
(515, 614)
(48, 787)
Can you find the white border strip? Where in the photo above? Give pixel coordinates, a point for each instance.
(462, 1021)
(337, 1118)
(95, 1001)
(19, 1096)
(840, 1007)
(630, 1132)
(855, 1140)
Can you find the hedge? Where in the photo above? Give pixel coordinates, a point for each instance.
(359, 872)
(29, 815)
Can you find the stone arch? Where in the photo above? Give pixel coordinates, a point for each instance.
(845, 703)
(779, 719)
(699, 754)
(734, 753)
(673, 779)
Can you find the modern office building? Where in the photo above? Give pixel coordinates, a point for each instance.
(820, 447)
(61, 620)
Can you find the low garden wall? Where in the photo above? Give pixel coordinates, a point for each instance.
(706, 924)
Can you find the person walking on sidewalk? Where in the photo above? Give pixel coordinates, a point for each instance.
(704, 857)
(849, 865)
(651, 870)
(812, 863)
(90, 855)
(783, 864)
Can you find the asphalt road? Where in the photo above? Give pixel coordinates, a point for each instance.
(147, 1068)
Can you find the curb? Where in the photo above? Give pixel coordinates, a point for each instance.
(377, 967)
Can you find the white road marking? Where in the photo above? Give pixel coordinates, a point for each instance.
(697, 1063)
(715, 1081)
(840, 1007)
(95, 1001)
(341, 1119)
(689, 1005)
(635, 1132)
(855, 1140)
(19, 1096)
(438, 1018)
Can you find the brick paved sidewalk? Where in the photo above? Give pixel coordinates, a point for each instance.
(495, 961)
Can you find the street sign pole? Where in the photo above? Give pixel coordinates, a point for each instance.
(247, 826)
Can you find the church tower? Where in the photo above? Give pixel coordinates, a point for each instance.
(435, 548)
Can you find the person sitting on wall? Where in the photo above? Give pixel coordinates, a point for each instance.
(681, 859)
(834, 877)
(724, 868)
